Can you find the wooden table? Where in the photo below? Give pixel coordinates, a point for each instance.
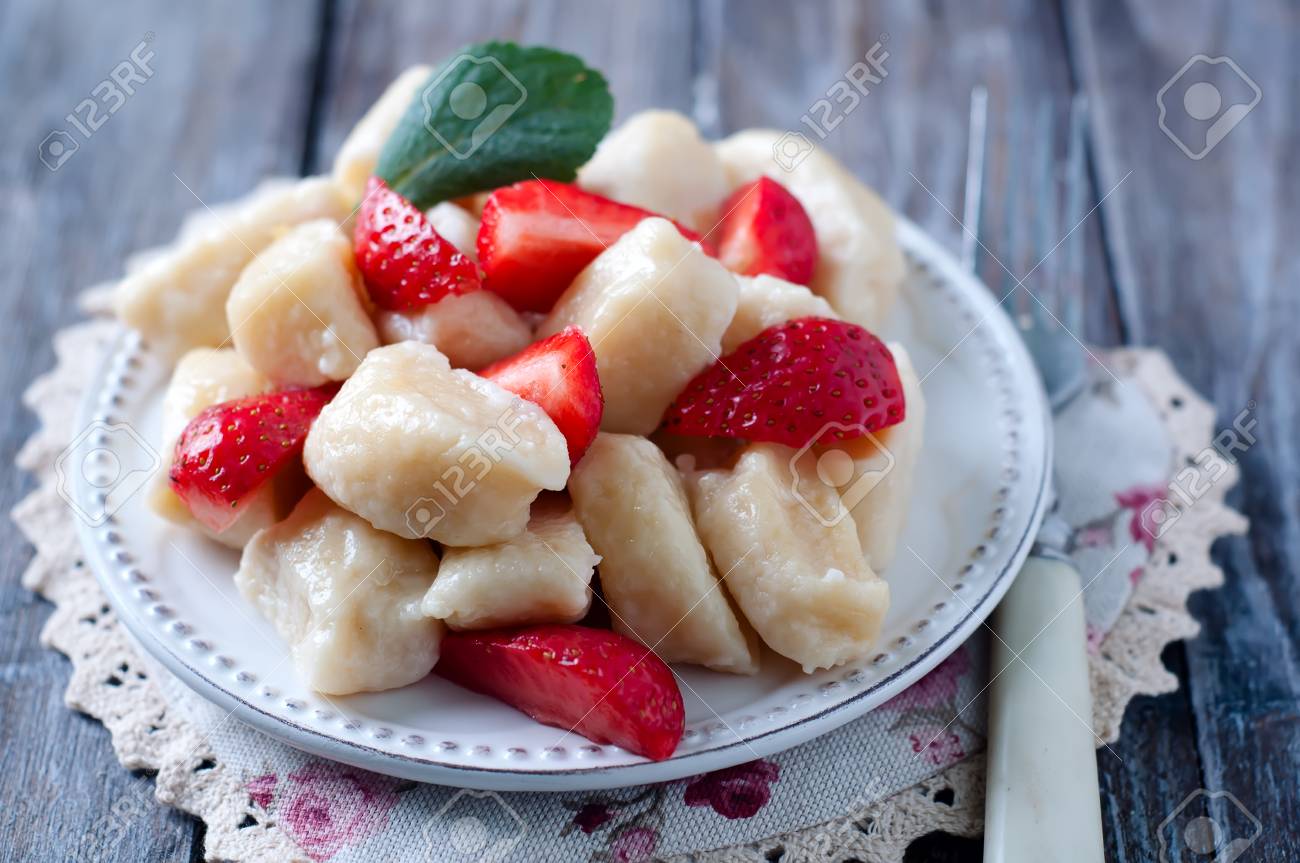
(1191, 255)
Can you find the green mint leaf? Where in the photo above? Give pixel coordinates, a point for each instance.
(495, 114)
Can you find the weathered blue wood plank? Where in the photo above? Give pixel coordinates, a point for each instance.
(643, 49)
(907, 136)
(224, 105)
(1204, 256)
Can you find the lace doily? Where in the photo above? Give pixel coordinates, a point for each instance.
(111, 682)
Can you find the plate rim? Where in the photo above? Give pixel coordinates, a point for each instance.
(605, 776)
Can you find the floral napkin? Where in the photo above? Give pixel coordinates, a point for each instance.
(335, 812)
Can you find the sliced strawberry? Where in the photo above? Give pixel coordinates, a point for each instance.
(559, 374)
(536, 236)
(405, 262)
(231, 449)
(765, 230)
(603, 685)
(803, 381)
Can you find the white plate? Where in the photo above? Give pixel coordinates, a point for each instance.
(979, 499)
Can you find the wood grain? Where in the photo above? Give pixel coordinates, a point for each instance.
(1204, 258)
(372, 42)
(908, 136)
(1192, 256)
(225, 106)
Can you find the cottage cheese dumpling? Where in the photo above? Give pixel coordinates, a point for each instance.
(859, 266)
(543, 575)
(456, 225)
(177, 300)
(346, 597)
(765, 301)
(205, 377)
(359, 152)
(803, 585)
(657, 160)
(202, 378)
(654, 307)
(654, 572)
(423, 450)
(879, 490)
(473, 330)
(298, 313)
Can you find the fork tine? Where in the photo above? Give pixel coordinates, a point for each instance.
(973, 196)
(1047, 210)
(1050, 310)
(1070, 309)
(1015, 212)
(1042, 218)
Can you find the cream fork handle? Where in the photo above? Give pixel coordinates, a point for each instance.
(1043, 802)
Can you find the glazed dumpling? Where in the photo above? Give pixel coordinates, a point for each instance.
(360, 150)
(473, 330)
(298, 313)
(879, 491)
(346, 597)
(205, 377)
(654, 572)
(543, 575)
(654, 307)
(177, 300)
(803, 585)
(202, 378)
(860, 266)
(765, 301)
(658, 161)
(456, 225)
(423, 450)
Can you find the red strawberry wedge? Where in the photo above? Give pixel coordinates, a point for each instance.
(804, 381)
(559, 374)
(404, 261)
(536, 236)
(765, 231)
(231, 449)
(605, 686)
